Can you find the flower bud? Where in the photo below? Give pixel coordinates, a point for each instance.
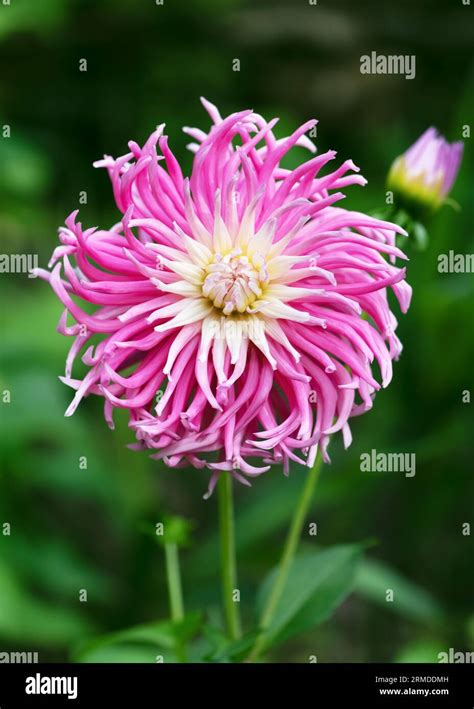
(423, 176)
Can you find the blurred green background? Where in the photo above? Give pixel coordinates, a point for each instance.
(74, 528)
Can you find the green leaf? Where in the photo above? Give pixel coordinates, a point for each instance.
(229, 650)
(54, 566)
(420, 651)
(26, 619)
(155, 638)
(125, 653)
(317, 584)
(420, 236)
(23, 16)
(410, 600)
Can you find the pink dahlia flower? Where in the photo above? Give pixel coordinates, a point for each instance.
(241, 314)
(426, 172)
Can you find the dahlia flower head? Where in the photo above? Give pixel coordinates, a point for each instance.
(243, 317)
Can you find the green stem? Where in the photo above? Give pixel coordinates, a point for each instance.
(174, 582)
(228, 562)
(175, 592)
(289, 551)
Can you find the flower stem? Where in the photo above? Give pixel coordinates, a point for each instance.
(228, 559)
(175, 592)
(289, 551)
(174, 581)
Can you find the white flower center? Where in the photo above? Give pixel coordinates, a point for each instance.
(234, 280)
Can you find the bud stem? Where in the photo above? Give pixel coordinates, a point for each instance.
(289, 551)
